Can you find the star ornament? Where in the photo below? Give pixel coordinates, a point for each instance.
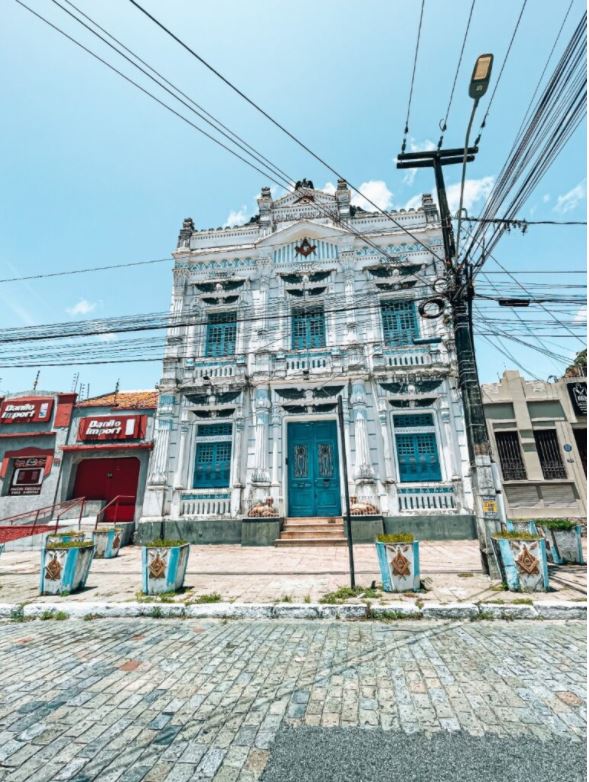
(305, 248)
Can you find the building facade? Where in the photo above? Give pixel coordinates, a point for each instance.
(538, 433)
(33, 427)
(278, 318)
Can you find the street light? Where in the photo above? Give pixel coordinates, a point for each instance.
(479, 82)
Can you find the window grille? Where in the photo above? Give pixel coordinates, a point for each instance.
(510, 456)
(549, 454)
(417, 454)
(399, 322)
(212, 465)
(214, 430)
(308, 328)
(221, 334)
(417, 419)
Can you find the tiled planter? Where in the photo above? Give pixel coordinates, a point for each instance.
(164, 568)
(522, 563)
(127, 529)
(65, 537)
(64, 570)
(399, 566)
(563, 545)
(107, 541)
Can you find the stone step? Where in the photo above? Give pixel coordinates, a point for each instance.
(327, 521)
(311, 533)
(314, 525)
(290, 542)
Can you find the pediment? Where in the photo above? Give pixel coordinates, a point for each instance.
(303, 229)
(304, 197)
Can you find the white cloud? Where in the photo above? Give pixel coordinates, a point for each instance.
(581, 315)
(83, 307)
(108, 336)
(236, 218)
(546, 198)
(328, 188)
(571, 200)
(476, 192)
(377, 191)
(415, 146)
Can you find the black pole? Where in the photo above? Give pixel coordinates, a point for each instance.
(340, 417)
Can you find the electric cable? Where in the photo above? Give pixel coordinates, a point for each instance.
(406, 131)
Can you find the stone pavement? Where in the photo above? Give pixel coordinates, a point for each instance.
(176, 700)
(266, 574)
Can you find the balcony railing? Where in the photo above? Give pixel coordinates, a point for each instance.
(436, 499)
(207, 503)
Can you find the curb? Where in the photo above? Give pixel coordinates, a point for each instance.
(467, 611)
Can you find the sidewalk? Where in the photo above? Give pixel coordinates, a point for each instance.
(451, 572)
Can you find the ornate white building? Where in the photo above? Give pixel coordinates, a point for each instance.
(276, 319)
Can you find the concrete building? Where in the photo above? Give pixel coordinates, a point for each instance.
(106, 454)
(33, 427)
(538, 432)
(276, 320)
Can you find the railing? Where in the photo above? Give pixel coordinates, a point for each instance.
(407, 358)
(115, 502)
(211, 504)
(46, 513)
(427, 499)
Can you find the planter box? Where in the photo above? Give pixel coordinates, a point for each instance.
(563, 545)
(127, 530)
(399, 566)
(107, 541)
(64, 570)
(522, 564)
(164, 568)
(67, 537)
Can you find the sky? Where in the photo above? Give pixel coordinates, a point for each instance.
(95, 173)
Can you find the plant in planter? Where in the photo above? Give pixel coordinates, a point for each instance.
(563, 540)
(108, 541)
(164, 564)
(398, 559)
(65, 566)
(522, 561)
(67, 536)
(521, 525)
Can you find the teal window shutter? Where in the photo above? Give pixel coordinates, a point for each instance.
(212, 465)
(399, 322)
(417, 454)
(221, 334)
(308, 328)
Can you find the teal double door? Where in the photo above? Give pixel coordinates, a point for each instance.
(313, 469)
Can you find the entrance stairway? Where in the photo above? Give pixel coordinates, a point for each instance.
(312, 531)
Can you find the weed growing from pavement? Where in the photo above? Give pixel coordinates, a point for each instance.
(518, 601)
(212, 597)
(53, 614)
(90, 617)
(307, 599)
(285, 599)
(389, 615)
(483, 615)
(343, 594)
(465, 575)
(18, 614)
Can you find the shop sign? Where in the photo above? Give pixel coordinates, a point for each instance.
(28, 411)
(27, 478)
(123, 427)
(578, 395)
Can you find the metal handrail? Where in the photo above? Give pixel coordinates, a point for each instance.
(48, 510)
(114, 501)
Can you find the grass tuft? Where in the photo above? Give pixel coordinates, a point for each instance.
(212, 597)
(398, 537)
(345, 593)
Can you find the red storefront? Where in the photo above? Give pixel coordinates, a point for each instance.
(109, 450)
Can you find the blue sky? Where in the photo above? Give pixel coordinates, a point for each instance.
(95, 173)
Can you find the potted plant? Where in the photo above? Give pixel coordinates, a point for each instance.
(398, 559)
(108, 541)
(522, 561)
(563, 540)
(65, 566)
(164, 565)
(67, 536)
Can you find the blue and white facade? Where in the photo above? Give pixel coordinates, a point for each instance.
(277, 319)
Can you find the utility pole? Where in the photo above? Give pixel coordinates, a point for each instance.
(460, 292)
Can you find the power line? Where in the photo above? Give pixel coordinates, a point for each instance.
(275, 122)
(86, 270)
(515, 29)
(403, 145)
(444, 122)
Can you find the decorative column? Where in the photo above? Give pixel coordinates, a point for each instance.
(236, 483)
(262, 413)
(363, 467)
(155, 494)
(276, 432)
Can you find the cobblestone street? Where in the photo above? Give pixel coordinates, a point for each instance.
(174, 700)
